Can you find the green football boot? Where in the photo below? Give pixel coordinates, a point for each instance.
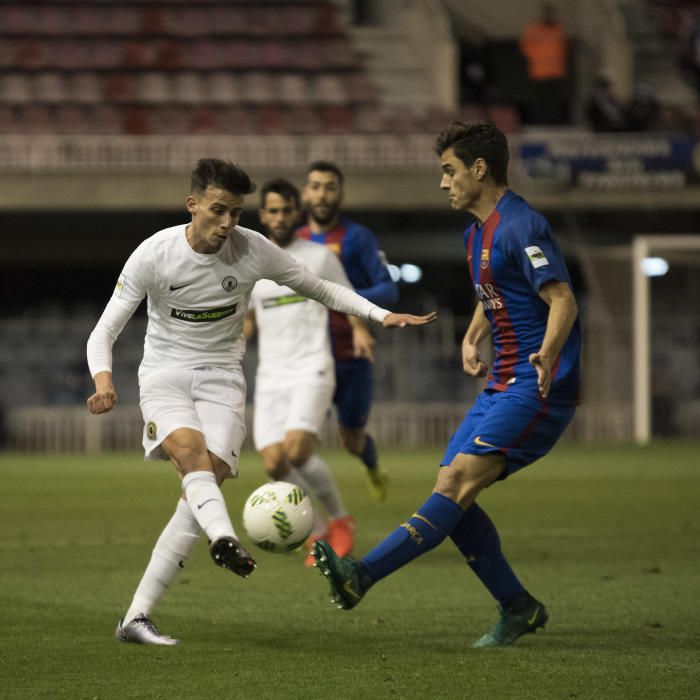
(348, 579)
(525, 614)
(378, 484)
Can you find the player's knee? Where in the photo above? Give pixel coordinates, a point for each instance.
(189, 458)
(353, 440)
(276, 468)
(467, 477)
(298, 452)
(221, 470)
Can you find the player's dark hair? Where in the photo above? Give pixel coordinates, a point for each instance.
(326, 166)
(215, 172)
(477, 140)
(283, 188)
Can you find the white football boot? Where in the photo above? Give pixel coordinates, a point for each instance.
(141, 630)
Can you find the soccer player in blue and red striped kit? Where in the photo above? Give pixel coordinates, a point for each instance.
(366, 269)
(525, 302)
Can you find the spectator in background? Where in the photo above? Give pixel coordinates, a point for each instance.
(605, 111)
(473, 71)
(644, 109)
(544, 45)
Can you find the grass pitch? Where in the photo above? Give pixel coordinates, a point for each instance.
(608, 538)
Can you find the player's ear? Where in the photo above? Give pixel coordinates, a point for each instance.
(480, 168)
(191, 204)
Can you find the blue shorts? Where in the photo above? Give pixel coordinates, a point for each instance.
(521, 428)
(353, 392)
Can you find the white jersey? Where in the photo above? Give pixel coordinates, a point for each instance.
(293, 331)
(197, 302)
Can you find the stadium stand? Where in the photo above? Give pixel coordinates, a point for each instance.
(147, 64)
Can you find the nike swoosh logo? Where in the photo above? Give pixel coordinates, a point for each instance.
(201, 505)
(347, 587)
(179, 286)
(531, 621)
(480, 442)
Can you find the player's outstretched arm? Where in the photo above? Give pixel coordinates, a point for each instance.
(105, 397)
(402, 320)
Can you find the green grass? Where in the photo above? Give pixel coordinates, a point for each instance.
(607, 537)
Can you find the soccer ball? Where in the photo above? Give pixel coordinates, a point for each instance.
(278, 516)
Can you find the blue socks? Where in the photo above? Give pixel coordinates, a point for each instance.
(369, 453)
(476, 537)
(422, 532)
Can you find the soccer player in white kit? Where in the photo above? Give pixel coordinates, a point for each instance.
(197, 278)
(295, 378)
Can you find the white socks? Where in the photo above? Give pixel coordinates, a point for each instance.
(173, 548)
(316, 472)
(207, 504)
(294, 477)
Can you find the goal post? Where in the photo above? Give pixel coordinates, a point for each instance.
(645, 246)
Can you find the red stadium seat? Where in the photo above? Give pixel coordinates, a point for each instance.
(170, 120)
(329, 89)
(119, 88)
(84, 87)
(50, 87)
(302, 119)
(153, 87)
(34, 119)
(293, 88)
(103, 119)
(68, 119)
(237, 120)
(205, 120)
(188, 87)
(337, 120)
(222, 87)
(137, 121)
(270, 119)
(16, 88)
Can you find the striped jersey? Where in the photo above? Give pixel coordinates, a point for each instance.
(366, 269)
(511, 255)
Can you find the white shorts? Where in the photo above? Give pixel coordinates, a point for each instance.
(278, 410)
(208, 399)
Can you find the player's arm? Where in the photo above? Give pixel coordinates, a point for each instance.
(479, 328)
(279, 266)
(130, 290)
(99, 353)
(362, 340)
(249, 325)
(382, 289)
(563, 311)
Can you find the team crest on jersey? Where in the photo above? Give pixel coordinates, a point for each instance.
(229, 283)
(335, 247)
(485, 258)
(151, 430)
(119, 288)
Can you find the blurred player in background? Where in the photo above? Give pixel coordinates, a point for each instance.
(526, 303)
(296, 375)
(358, 251)
(198, 278)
